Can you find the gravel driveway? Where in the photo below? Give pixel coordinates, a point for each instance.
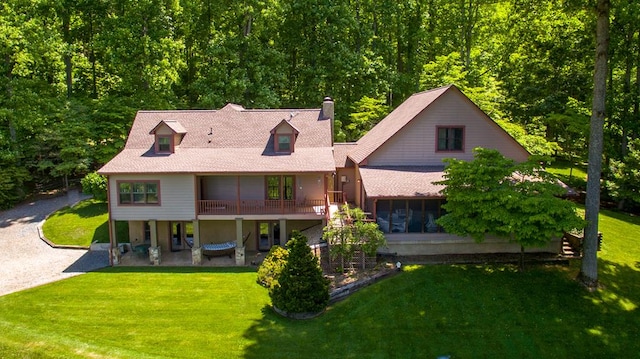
(26, 261)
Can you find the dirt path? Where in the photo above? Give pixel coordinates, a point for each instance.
(26, 261)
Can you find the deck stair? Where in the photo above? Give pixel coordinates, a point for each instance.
(572, 244)
(568, 251)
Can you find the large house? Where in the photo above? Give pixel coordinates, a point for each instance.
(243, 179)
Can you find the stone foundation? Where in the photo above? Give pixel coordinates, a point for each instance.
(116, 256)
(196, 256)
(240, 256)
(154, 255)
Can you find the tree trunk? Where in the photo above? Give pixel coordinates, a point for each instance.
(589, 269)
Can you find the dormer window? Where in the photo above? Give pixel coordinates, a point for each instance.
(283, 143)
(164, 144)
(284, 137)
(168, 135)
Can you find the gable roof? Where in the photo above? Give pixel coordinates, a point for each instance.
(341, 152)
(285, 123)
(173, 125)
(394, 122)
(232, 139)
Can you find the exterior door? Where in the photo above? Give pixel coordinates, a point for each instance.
(268, 235)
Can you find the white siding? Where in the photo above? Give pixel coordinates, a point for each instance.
(415, 145)
(177, 199)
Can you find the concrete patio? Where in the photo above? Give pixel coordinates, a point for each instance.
(184, 258)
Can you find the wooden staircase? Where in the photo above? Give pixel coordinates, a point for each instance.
(572, 245)
(568, 251)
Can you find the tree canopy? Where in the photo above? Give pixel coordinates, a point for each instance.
(73, 73)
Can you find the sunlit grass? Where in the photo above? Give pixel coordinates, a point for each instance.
(464, 311)
(81, 225)
(573, 175)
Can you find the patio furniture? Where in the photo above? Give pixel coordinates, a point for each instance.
(142, 250)
(218, 249)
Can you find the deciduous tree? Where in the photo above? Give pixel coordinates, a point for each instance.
(494, 195)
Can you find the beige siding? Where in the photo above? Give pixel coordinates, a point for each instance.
(177, 199)
(408, 244)
(217, 231)
(415, 145)
(252, 187)
(310, 186)
(349, 187)
(220, 187)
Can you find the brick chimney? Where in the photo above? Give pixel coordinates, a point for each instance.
(328, 113)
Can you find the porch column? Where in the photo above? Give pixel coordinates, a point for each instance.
(283, 231)
(113, 244)
(196, 250)
(239, 245)
(154, 250)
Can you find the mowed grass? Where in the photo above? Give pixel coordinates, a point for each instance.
(465, 311)
(81, 225)
(573, 175)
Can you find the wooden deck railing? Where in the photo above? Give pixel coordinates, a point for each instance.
(222, 207)
(338, 197)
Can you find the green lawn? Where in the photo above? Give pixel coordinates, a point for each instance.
(573, 175)
(81, 225)
(466, 311)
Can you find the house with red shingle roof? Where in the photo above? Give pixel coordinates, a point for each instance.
(242, 179)
(391, 172)
(234, 178)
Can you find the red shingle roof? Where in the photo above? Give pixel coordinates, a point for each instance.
(402, 182)
(394, 122)
(232, 139)
(341, 151)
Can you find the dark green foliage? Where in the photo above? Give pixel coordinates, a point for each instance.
(271, 267)
(73, 74)
(95, 185)
(301, 286)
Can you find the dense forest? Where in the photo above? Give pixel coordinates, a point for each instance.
(74, 72)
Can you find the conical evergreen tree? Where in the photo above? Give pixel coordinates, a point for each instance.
(301, 286)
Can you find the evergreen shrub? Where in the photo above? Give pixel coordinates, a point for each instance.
(301, 287)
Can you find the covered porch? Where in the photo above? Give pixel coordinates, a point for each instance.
(216, 242)
(184, 258)
(283, 194)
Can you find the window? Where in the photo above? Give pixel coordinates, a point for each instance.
(164, 144)
(284, 143)
(138, 193)
(409, 216)
(280, 187)
(450, 138)
(273, 187)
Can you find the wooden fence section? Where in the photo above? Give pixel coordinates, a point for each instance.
(329, 265)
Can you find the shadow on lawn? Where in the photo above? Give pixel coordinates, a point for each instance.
(176, 269)
(463, 310)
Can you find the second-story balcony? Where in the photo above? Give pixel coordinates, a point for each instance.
(243, 207)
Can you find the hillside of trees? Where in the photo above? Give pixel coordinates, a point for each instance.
(74, 72)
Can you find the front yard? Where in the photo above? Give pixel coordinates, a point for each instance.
(428, 311)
